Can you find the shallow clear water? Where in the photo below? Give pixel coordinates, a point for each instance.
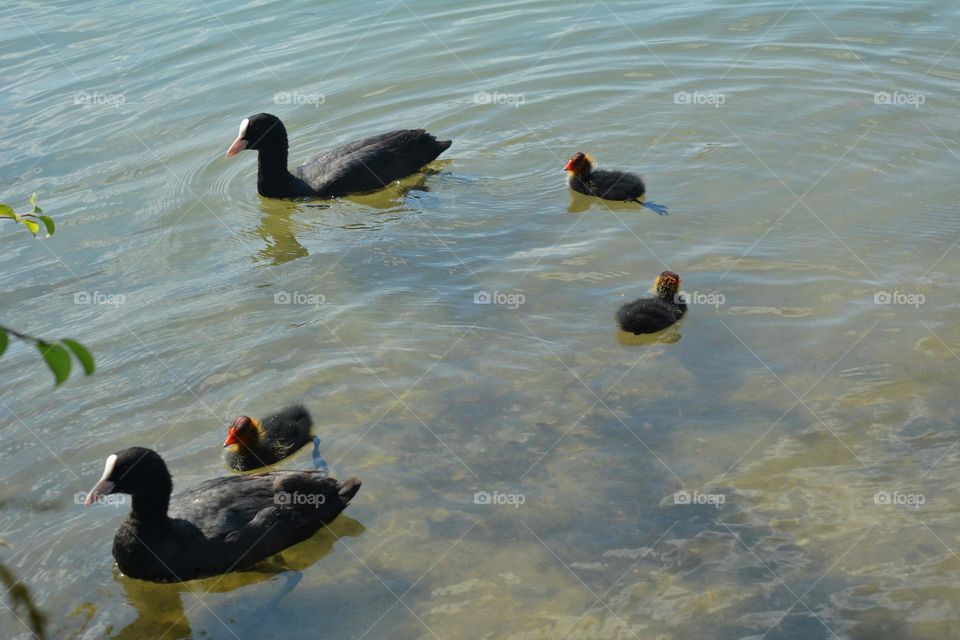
(788, 411)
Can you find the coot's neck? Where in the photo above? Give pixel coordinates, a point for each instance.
(582, 176)
(258, 450)
(152, 505)
(273, 179)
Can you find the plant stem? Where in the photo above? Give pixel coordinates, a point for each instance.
(20, 335)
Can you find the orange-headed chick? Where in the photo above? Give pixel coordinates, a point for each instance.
(584, 177)
(650, 315)
(251, 444)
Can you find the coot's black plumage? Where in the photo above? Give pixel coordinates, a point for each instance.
(357, 167)
(606, 183)
(221, 525)
(252, 444)
(650, 315)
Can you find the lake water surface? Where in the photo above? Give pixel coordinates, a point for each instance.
(782, 466)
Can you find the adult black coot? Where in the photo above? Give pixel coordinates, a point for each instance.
(650, 315)
(606, 183)
(221, 525)
(364, 165)
(252, 444)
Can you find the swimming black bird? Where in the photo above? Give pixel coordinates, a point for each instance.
(357, 167)
(607, 183)
(252, 444)
(221, 525)
(650, 315)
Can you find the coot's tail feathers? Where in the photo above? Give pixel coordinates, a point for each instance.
(347, 489)
(439, 146)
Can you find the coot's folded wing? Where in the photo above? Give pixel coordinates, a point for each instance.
(372, 163)
(272, 510)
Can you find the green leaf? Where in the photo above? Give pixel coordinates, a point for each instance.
(33, 203)
(4, 339)
(81, 354)
(57, 359)
(6, 211)
(31, 226)
(48, 223)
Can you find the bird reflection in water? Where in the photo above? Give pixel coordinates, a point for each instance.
(164, 610)
(280, 232)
